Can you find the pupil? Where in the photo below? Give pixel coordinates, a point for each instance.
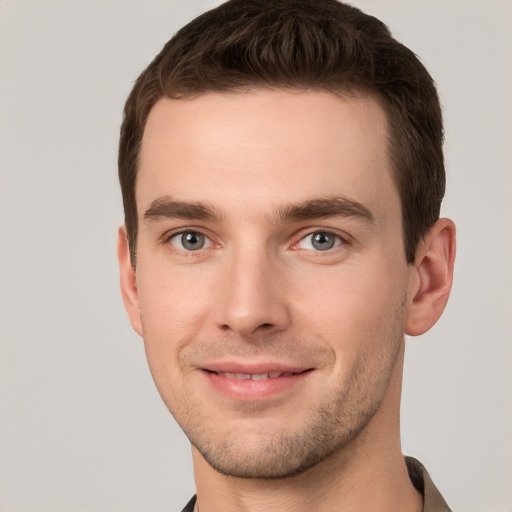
(192, 241)
(323, 241)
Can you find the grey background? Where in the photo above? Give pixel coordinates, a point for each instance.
(81, 426)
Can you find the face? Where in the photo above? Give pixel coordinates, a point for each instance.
(271, 280)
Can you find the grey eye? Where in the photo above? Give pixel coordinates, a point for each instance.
(323, 241)
(190, 241)
(320, 241)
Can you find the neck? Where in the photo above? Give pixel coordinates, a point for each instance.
(368, 474)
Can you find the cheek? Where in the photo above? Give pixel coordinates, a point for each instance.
(351, 307)
(171, 302)
(172, 312)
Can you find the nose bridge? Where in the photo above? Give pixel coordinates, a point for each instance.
(253, 297)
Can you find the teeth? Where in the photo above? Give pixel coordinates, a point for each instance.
(259, 376)
(255, 376)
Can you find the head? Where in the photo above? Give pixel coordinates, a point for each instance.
(302, 45)
(282, 173)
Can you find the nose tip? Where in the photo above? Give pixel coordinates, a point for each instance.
(254, 300)
(247, 324)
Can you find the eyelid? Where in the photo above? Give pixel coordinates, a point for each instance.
(343, 238)
(179, 236)
(169, 235)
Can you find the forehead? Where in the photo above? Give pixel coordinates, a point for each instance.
(265, 145)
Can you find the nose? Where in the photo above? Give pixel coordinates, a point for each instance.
(253, 299)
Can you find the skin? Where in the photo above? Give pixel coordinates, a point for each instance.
(254, 177)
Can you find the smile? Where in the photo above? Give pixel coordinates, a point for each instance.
(255, 376)
(255, 384)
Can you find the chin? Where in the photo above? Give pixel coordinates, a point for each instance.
(269, 455)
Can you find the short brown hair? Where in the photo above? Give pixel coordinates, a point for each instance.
(308, 45)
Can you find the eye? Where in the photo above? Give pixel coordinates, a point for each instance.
(320, 241)
(190, 241)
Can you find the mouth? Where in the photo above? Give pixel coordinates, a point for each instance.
(255, 384)
(255, 376)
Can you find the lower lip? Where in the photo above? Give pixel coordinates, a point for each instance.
(250, 390)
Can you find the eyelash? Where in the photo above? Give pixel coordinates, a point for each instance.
(208, 240)
(338, 241)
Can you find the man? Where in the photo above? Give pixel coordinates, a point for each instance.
(282, 172)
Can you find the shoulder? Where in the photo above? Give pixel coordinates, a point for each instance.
(189, 507)
(433, 501)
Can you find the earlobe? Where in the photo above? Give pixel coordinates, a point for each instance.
(128, 281)
(432, 276)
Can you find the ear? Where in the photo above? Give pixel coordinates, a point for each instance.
(431, 278)
(128, 281)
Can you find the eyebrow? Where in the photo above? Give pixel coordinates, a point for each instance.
(167, 208)
(324, 208)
